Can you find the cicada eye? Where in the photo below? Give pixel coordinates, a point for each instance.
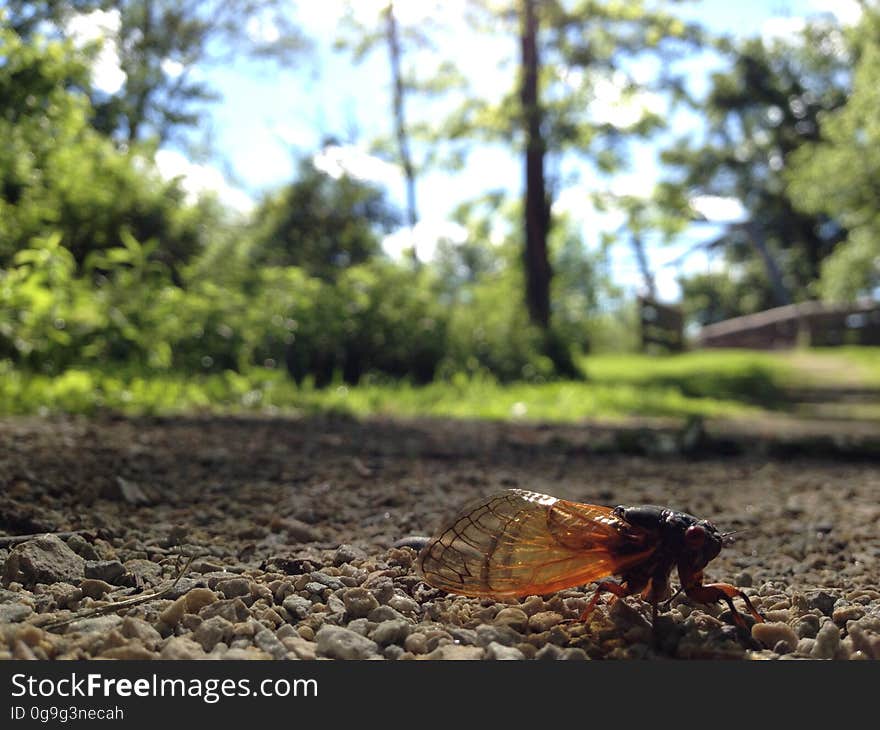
(695, 536)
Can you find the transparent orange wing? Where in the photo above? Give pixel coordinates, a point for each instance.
(519, 543)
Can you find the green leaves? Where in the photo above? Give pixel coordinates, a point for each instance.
(321, 224)
(838, 177)
(762, 114)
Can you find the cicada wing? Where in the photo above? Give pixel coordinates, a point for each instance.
(518, 543)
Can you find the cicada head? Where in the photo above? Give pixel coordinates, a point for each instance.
(702, 543)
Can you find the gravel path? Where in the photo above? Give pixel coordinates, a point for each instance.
(292, 522)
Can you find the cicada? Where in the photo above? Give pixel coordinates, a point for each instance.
(519, 543)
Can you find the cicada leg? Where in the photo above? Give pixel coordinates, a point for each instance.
(618, 590)
(714, 592)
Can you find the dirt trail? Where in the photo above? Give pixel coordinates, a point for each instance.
(834, 388)
(293, 521)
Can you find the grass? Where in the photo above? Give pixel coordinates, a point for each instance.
(709, 383)
(861, 363)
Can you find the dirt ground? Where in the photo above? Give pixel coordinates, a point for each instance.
(292, 521)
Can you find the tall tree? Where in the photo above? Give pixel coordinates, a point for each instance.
(537, 207)
(839, 175)
(759, 111)
(59, 175)
(405, 44)
(401, 132)
(158, 44)
(576, 61)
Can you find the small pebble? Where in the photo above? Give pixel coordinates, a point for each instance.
(233, 587)
(337, 642)
(393, 631)
(504, 653)
(95, 588)
(455, 652)
(416, 643)
(131, 651)
(359, 602)
(770, 634)
(827, 641)
(198, 598)
(385, 613)
(846, 613)
(544, 620)
(135, 628)
(45, 559)
(213, 630)
(807, 626)
(299, 646)
(11, 613)
(805, 646)
(574, 653)
(403, 604)
(174, 612)
(486, 634)
(549, 651)
(514, 617)
(361, 626)
(297, 606)
(111, 571)
(823, 601)
(348, 554)
(269, 643)
(182, 647)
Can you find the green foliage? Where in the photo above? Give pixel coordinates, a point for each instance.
(58, 174)
(853, 270)
(837, 176)
(578, 285)
(614, 329)
(750, 377)
(490, 333)
(708, 384)
(583, 45)
(158, 43)
(320, 223)
(714, 297)
(52, 319)
(378, 319)
(760, 111)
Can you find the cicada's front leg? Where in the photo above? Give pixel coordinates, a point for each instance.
(714, 592)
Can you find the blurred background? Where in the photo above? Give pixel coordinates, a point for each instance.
(551, 210)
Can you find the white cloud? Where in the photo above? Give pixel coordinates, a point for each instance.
(847, 12)
(197, 180)
(425, 237)
(262, 30)
(632, 185)
(339, 160)
(612, 104)
(573, 201)
(172, 68)
(100, 26)
(716, 209)
(782, 28)
(789, 28)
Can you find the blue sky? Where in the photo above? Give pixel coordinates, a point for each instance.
(268, 117)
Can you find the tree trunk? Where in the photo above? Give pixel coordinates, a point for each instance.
(642, 259)
(759, 241)
(537, 210)
(400, 123)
